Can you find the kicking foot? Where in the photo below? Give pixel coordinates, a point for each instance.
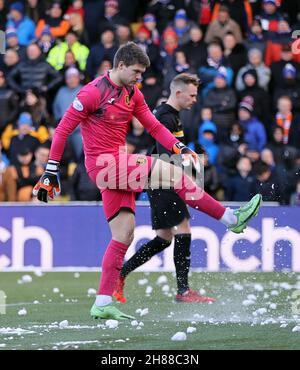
(191, 296)
(245, 213)
(109, 312)
(119, 290)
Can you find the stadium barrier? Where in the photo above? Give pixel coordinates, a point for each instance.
(74, 235)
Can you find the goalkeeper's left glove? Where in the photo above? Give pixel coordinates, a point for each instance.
(48, 185)
(188, 155)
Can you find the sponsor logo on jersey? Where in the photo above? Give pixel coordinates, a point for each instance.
(141, 160)
(77, 105)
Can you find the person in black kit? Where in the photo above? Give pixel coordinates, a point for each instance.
(169, 214)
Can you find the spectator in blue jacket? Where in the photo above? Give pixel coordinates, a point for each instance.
(255, 134)
(207, 139)
(24, 25)
(208, 72)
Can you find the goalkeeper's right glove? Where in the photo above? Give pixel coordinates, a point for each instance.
(188, 155)
(49, 184)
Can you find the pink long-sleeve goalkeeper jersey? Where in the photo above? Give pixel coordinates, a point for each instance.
(104, 111)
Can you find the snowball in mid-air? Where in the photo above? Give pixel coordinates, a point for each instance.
(92, 291)
(296, 328)
(149, 289)
(64, 324)
(142, 281)
(258, 287)
(144, 312)
(26, 279)
(248, 302)
(165, 288)
(22, 312)
(112, 324)
(237, 286)
(179, 336)
(162, 279)
(191, 329)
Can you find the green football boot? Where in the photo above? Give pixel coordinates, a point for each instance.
(245, 213)
(109, 312)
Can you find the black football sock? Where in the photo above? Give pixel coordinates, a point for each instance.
(144, 254)
(182, 259)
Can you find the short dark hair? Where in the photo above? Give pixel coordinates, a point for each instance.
(184, 79)
(130, 54)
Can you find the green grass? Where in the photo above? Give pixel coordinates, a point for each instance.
(226, 324)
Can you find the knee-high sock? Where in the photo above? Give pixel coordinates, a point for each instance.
(112, 263)
(144, 254)
(182, 259)
(197, 198)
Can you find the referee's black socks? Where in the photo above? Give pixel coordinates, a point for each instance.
(182, 260)
(144, 254)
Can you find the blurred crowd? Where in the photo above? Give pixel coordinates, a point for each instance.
(245, 52)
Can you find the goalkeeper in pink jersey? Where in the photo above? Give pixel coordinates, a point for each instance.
(104, 109)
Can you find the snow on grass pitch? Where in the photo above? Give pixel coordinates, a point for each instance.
(253, 311)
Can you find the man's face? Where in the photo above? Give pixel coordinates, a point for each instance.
(244, 165)
(269, 8)
(130, 75)
(187, 96)
(33, 52)
(195, 34)
(107, 37)
(284, 105)
(73, 81)
(223, 17)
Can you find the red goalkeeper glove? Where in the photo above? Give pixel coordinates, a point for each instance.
(188, 155)
(49, 184)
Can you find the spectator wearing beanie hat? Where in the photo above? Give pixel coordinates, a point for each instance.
(23, 137)
(290, 87)
(46, 40)
(24, 26)
(143, 40)
(257, 37)
(261, 99)
(222, 100)
(270, 15)
(112, 17)
(182, 26)
(150, 23)
(254, 131)
(12, 42)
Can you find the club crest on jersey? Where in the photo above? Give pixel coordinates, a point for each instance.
(141, 160)
(77, 105)
(127, 99)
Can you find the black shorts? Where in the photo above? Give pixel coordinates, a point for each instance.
(167, 209)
